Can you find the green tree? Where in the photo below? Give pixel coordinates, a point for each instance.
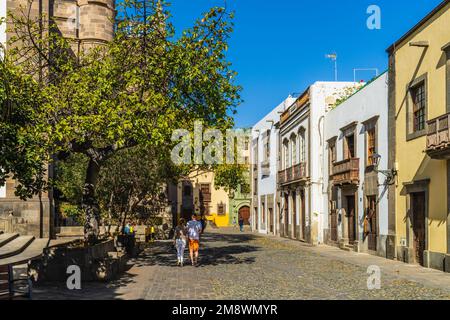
(131, 92)
(231, 177)
(22, 135)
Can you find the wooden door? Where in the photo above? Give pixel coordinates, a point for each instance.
(286, 216)
(303, 214)
(372, 215)
(271, 227)
(333, 223)
(294, 215)
(351, 219)
(244, 212)
(418, 221)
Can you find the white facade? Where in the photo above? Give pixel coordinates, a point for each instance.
(302, 139)
(264, 153)
(365, 111)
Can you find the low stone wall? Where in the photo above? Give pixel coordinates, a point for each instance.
(24, 217)
(100, 262)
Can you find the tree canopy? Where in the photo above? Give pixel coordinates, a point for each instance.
(133, 91)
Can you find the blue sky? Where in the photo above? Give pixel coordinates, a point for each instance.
(279, 47)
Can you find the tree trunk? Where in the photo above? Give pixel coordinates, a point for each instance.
(89, 203)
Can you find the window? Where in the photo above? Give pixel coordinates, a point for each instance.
(416, 108)
(221, 209)
(350, 146)
(205, 192)
(418, 96)
(286, 154)
(331, 155)
(302, 146)
(246, 144)
(293, 150)
(371, 146)
(267, 146)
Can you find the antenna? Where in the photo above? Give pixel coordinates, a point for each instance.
(333, 57)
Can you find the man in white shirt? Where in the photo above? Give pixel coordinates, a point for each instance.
(194, 228)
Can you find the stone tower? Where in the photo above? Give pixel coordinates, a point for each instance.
(86, 23)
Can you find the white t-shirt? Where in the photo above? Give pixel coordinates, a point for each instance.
(194, 229)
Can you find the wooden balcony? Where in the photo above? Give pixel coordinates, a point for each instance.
(438, 137)
(296, 173)
(346, 172)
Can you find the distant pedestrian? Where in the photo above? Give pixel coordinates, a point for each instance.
(127, 229)
(194, 228)
(204, 223)
(234, 222)
(241, 222)
(180, 239)
(152, 233)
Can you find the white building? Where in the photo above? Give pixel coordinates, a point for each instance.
(355, 131)
(300, 162)
(264, 170)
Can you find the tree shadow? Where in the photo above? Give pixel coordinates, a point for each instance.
(211, 254)
(88, 291)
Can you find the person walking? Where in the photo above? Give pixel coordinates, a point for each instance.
(180, 239)
(194, 228)
(241, 222)
(234, 223)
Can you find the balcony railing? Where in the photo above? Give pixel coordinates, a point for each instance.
(293, 174)
(438, 137)
(346, 171)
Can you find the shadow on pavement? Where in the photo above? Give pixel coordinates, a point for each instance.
(215, 249)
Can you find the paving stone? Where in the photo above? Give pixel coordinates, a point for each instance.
(242, 266)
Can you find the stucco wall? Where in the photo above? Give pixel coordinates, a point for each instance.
(413, 164)
(371, 101)
(267, 185)
(321, 97)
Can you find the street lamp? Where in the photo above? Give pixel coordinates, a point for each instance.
(389, 174)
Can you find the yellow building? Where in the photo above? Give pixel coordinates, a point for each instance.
(199, 195)
(419, 106)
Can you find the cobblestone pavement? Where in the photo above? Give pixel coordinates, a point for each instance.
(248, 266)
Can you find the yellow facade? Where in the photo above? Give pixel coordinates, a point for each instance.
(419, 55)
(218, 198)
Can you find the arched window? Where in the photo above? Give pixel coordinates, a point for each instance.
(293, 150)
(286, 154)
(302, 145)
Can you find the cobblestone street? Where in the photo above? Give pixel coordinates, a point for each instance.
(248, 266)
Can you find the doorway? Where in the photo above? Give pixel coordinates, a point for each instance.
(286, 216)
(303, 214)
(418, 225)
(372, 218)
(351, 220)
(294, 215)
(244, 212)
(271, 226)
